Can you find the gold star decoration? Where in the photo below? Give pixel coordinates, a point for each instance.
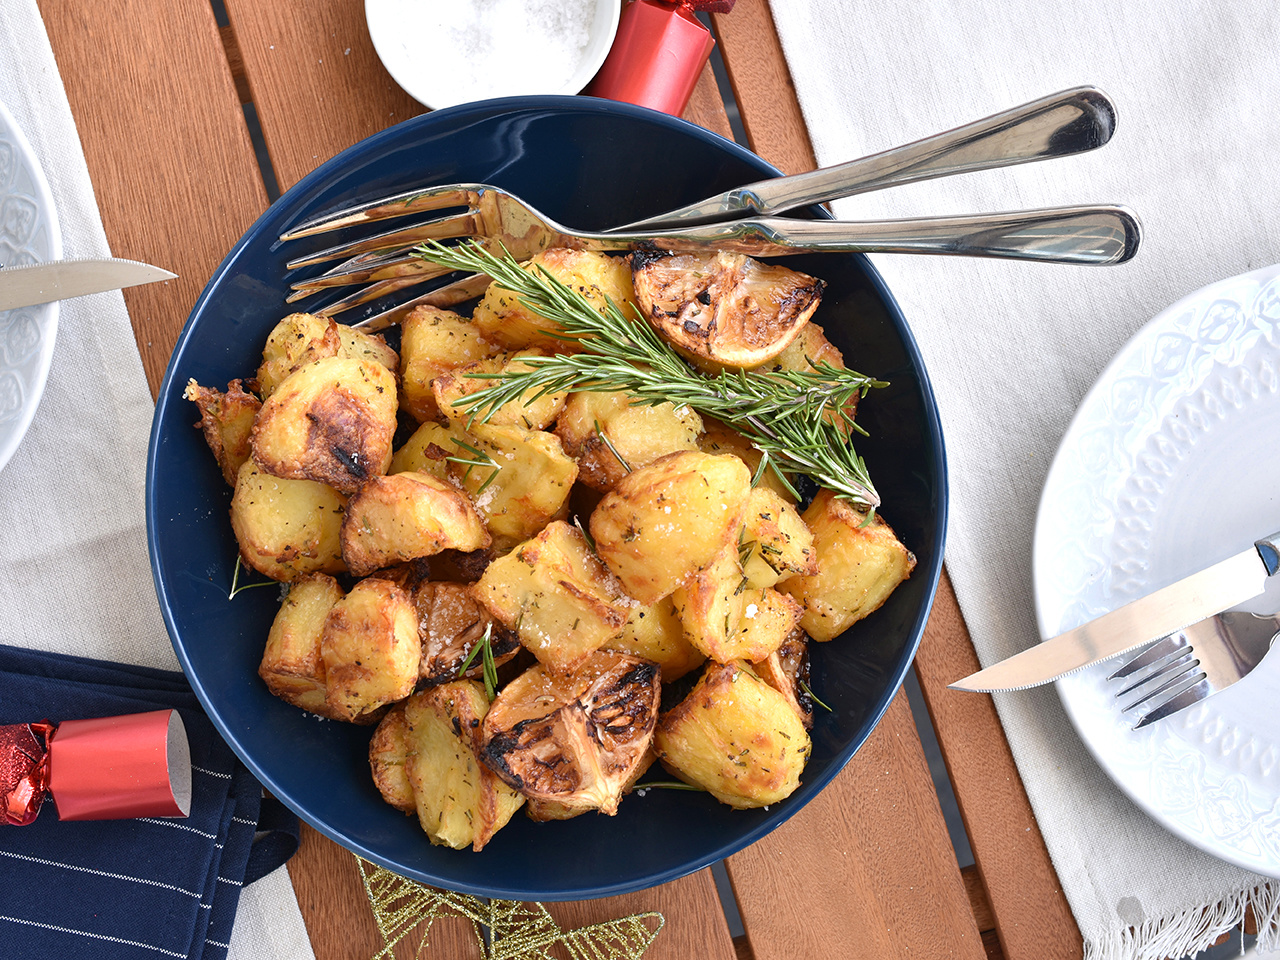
(504, 929)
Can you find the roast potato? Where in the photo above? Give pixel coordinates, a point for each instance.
(664, 521)
(775, 541)
(291, 663)
(596, 428)
(735, 736)
(227, 420)
(287, 528)
(389, 760)
(859, 565)
(655, 633)
(718, 438)
(404, 516)
(301, 338)
(428, 449)
(370, 649)
(531, 412)
(330, 421)
(433, 341)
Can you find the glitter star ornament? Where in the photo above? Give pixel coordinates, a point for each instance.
(515, 930)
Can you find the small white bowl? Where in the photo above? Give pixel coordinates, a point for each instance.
(445, 52)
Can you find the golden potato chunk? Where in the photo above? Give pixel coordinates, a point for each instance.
(859, 565)
(664, 521)
(451, 622)
(433, 341)
(389, 760)
(709, 605)
(723, 309)
(655, 633)
(787, 671)
(720, 439)
(598, 428)
(534, 413)
(227, 420)
(503, 318)
(428, 450)
(735, 736)
(291, 663)
(529, 486)
(301, 338)
(370, 649)
(330, 421)
(775, 541)
(405, 516)
(287, 528)
(557, 596)
(459, 801)
(574, 739)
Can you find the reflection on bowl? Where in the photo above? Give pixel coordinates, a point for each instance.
(589, 163)
(458, 51)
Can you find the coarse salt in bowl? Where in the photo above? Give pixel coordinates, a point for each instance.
(446, 52)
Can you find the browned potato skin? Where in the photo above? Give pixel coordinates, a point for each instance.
(597, 428)
(291, 663)
(574, 739)
(287, 528)
(405, 516)
(331, 421)
(371, 650)
(859, 565)
(451, 387)
(227, 420)
(735, 736)
(459, 800)
(665, 521)
(389, 759)
(302, 338)
(451, 622)
(557, 596)
(432, 342)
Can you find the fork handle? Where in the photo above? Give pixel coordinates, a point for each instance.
(1059, 125)
(1081, 235)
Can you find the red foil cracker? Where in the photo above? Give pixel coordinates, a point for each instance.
(108, 768)
(657, 54)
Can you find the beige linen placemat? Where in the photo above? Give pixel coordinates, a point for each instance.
(74, 565)
(1012, 348)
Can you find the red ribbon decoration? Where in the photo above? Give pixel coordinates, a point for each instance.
(24, 771)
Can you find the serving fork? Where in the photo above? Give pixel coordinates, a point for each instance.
(1191, 665)
(1059, 125)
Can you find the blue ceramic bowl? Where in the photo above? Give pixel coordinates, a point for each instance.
(588, 163)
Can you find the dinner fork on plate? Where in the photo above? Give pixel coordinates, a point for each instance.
(1191, 665)
(1059, 125)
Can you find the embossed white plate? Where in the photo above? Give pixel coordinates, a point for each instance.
(1172, 463)
(28, 234)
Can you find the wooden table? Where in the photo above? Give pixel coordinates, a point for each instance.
(160, 91)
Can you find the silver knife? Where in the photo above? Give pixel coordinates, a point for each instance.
(1190, 600)
(28, 285)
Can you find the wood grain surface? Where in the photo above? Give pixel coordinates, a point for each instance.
(866, 869)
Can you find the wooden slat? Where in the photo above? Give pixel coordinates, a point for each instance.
(694, 921)
(166, 145)
(706, 106)
(1032, 918)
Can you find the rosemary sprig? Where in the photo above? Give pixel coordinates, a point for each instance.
(478, 458)
(237, 586)
(798, 418)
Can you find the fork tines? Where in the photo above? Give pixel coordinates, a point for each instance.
(1168, 679)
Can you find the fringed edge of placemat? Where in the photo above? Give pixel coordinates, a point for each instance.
(1187, 933)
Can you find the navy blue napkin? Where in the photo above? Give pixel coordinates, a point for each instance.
(146, 888)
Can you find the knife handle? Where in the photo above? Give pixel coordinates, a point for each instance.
(1269, 550)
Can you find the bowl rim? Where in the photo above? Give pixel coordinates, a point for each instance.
(935, 450)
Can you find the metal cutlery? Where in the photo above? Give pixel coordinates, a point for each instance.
(1195, 663)
(30, 284)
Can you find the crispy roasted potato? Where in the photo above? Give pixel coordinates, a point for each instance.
(227, 420)
(597, 428)
(787, 671)
(534, 413)
(710, 602)
(718, 438)
(287, 528)
(859, 565)
(722, 309)
(664, 521)
(451, 622)
(735, 736)
(775, 541)
(533, 480)
(371, 650)
(291, 664)
(460, 802)
(433, 341)
(574, 739)
(505, 320)
(330, 421)
(655, 633)
(557, 596)
(405, 516)
(389, 760)
(301, 338)
(428, 450)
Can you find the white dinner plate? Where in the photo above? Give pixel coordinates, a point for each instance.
(1172, 463)
(28, 234)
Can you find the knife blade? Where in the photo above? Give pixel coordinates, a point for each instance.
(1175, 607)
(28, 285)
